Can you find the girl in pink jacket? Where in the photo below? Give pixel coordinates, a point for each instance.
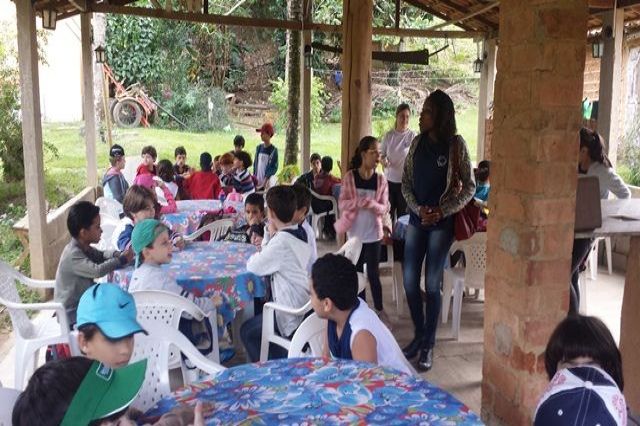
(363, 204)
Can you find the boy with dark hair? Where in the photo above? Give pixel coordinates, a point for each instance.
(303, 200)
(354, 331)
(80, 263)
(181, 170)
(483, 186)
(203, 184)
(242, 181)
(253, 231)
(113, 183)
(285, 257)
(148, 165)
(307, 178)
(266, 158)
(238, 143)
(324, 184)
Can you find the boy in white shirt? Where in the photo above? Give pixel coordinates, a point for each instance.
(354, 331)
(303, 202)
(285, 257)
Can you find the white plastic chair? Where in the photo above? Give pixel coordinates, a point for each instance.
(108, 224)
(311, 331)
(217, 229)
(109, 207)
(8, 398)
(167, 308)
(471, 276)
(156, 348)
(593, 257)
(315, 217)
(30, 336)
(397, 293)
(351, 249)
(269, 334)
(130, 167)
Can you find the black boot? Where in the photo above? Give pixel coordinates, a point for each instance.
(426, 359)
(412, 349)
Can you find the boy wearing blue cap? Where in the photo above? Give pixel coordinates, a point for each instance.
(106, 324)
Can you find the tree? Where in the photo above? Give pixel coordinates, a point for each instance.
(294, 40)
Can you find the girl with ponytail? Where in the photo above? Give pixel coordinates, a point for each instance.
(364, 204)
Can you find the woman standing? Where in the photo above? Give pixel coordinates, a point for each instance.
(436, 184)
(592, 161)
(395, 146)
(364, 203)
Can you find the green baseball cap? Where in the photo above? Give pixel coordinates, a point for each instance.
(104, 392)
(144, 234)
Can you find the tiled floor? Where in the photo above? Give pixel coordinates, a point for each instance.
(458, 364)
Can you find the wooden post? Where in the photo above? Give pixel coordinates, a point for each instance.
(105, 102)
(487, 81)
(611, 82)
(88, 105)
(307, 75)
(629, 336)
(32, 137)
(357, 23)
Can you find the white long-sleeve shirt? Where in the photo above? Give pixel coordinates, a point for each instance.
(395, 147)
(311, 240)
(609, 181)
(285, 257)
(153, 277)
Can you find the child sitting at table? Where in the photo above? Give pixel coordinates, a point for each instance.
(166, 173)
(148, 165)
(203, 184)
(284, 257)
(181, 170)
(113, 183)
(80, 263)
(252, 231)
(153, 248)
(226, 171)
(238, 143)
(584, 367)
(163, 195)
(303, 204)
(354, 331)
(106, 325)
(242, 180)
(139, 203)
(80, 391)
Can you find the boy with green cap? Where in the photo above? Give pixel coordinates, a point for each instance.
(106, 324)
(78, 392)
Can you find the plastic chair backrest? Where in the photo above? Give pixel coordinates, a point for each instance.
(475, 254)
(164, 307)
(8, 398)
(351, 249)
(156, 348)
(130, 169)
(219, 228)
(109, 207)
(108, 224)
(312, 331)
(9, 293)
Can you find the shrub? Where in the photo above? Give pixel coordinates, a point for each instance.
(192, 107)
(631, 151)
(279, 99)
(288, 173)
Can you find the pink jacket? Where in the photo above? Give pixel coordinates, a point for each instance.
(147, 181)
(349, 203)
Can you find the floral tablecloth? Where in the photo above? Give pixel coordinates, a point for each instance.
(191, 212)
(217, 270)
(316, 391)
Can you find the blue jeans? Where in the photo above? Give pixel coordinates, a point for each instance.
(435, 244)
(251, 335)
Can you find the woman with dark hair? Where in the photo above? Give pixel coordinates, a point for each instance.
(364, 204)
(395, 146)
(436, 184)
(584, 366)
(592, 161)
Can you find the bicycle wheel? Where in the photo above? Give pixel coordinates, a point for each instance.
(127, 113)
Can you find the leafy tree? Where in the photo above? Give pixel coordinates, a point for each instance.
(10, 124)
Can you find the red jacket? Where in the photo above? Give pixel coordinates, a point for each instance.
(143, 170)
(323, 183)
(203, 186)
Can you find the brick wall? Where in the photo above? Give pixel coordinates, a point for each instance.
(591, 76)
(536, 120)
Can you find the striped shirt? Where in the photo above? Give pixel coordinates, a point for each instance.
(242, 181)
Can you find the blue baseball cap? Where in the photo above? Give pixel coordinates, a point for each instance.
(111, 309)
(581, 396)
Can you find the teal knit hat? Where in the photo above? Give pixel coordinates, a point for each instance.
(144, 234)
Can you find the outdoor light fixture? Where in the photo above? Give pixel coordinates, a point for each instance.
(101, 55)
(308, 52)
(477, 64)
(597, 49)
(49, 18)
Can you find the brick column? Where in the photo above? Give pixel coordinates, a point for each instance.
(534, 153)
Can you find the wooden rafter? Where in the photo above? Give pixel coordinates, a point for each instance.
(420, 5)
(469, 15)
(404, 32)
(464, 11)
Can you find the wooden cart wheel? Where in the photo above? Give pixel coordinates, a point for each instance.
(127, 113)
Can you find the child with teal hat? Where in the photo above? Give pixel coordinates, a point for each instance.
(106, 323)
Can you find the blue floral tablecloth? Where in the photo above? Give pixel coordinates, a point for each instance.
(217, 270)
(189, 215)
(316, 391)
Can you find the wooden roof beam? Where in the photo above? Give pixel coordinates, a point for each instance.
(404, 32)
(432, 11)
(464, 11)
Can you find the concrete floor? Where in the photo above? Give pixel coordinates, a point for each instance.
(458, 364)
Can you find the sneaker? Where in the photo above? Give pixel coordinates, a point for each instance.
(385, 319)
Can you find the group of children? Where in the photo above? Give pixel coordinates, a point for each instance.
(217, 176)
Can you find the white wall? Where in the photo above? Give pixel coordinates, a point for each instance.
(61, 77)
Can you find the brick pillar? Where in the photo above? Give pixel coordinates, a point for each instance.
(534, 153)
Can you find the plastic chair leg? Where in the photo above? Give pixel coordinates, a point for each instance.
(593, 262)
(582, 285)
(458, 289)
(607, 246)
(447, 289)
